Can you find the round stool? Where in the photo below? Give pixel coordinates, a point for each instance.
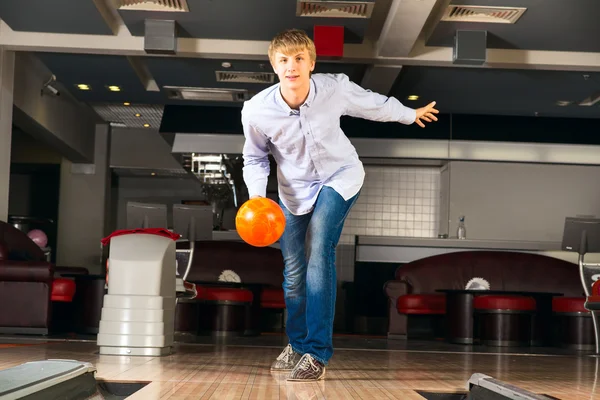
(504, 320)
(272, 309)
(427, 313)
(187, 316)
(223, 310)
(63, 291)
(575, 329)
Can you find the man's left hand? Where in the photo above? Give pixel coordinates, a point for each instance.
(426, 114)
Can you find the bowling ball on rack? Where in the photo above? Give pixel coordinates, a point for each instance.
(260, 222)
(38, 237)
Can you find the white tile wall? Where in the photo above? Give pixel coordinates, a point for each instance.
(396, 201)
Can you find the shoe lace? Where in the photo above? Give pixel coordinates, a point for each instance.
(286, 354)
(307, 362)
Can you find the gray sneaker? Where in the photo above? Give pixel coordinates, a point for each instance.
(287, 360)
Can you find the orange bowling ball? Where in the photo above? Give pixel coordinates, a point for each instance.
(260, 222)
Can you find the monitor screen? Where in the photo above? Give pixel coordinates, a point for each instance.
(581, 235)
(193, 222)
(146, 215)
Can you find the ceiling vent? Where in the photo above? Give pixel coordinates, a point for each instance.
(130, 115)
(206, 94)
(334, 9)
(245, 77)
(153, 5)
(498, 15)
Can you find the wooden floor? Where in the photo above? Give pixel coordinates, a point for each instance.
(218, 371)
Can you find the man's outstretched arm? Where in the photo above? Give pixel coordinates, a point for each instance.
(363, 103)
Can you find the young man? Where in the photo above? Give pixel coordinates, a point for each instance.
(319, 177)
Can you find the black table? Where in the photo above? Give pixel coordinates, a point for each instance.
(459, 314)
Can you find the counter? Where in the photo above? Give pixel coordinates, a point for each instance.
(407, 249)
(233, 235)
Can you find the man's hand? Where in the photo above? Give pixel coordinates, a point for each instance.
(426, 114)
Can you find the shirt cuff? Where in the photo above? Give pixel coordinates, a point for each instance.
(408, 116)
(258, 189)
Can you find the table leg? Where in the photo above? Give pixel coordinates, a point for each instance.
(253, 313)
(459, 318)
(541, 323)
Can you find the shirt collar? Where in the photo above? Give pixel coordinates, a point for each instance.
(307, 102)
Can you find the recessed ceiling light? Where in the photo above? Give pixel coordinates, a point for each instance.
(127, 103)
(114, 88)
(138, 115)
(146, 125)
(226, 64)
(563, 103)
(83, 86)
(153, 173)
(413, 97)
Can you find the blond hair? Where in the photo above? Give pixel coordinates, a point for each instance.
(292, 41)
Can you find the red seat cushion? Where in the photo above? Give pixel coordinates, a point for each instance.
(215, 293)
(272, 298)
(62, 290)
(422, 304)
(513, 303)
(568, 305)
(593, 301)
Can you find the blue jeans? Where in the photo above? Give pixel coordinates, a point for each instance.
(309, 284)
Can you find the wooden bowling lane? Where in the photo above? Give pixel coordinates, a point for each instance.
(242, 372)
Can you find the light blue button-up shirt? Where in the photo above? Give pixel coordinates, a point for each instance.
(308, 145)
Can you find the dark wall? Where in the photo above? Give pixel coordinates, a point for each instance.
(226, 120)
(34, 192)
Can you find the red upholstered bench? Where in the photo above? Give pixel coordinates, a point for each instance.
(575, 328)
(504, 320)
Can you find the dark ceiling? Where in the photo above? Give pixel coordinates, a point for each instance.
(56, 16)
(234, 19)
(100, 71)
(502, 91)
(557, 25)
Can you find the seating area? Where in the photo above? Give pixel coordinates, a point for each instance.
(532, 299)
(238, 289)
(40, 298)
(236, 284)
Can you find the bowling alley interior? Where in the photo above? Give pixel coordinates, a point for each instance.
(131, 265)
